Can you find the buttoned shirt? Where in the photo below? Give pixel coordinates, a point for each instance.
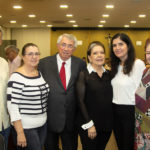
(4, 73)
(67, 67)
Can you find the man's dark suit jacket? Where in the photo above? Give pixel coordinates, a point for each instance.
(61, 104)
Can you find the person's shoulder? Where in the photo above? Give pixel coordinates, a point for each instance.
(46, 58)
(77, 59)
(139, 62)
(15, 76)
(2, 60)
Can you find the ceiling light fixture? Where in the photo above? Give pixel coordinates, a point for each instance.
(142, 16)
(42, 21)
(126, 26)
(13, 21)
(69, 15)
(24, 25)
(32, 16)
(100, 25)
(105, 15)
(109, 6)
(17, 7)
(0, 16)
(102, 21)
(75, 25)
(49, 25)
(133, 21)
(63, 6)
(72, 21)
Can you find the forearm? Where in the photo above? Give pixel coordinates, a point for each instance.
(18, 127)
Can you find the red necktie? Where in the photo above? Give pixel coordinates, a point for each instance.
(63, 75)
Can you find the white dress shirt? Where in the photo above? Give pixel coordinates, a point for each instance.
(124, 86)
(67, 67)
(4, 72)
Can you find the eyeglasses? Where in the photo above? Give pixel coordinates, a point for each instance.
(31, 54)
(69, 46)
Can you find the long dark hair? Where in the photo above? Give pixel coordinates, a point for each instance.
(128, 64)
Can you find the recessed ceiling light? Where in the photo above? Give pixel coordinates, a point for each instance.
(142, 16)
(126, 26)
(75, 25)
(24, 25)
(100, 25)
(69, 15)
(0, 16)
(49, 25)
(13, 21)
(32, 16)
(42, 21)
(72, 21)
(109, 6)
(133, 21)
(63, 6)
(102, 21)
(105, 15)
(17, 7)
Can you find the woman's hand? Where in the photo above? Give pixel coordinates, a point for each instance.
(92, 132)
(21, 140)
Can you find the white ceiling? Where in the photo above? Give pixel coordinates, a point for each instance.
(87, 13)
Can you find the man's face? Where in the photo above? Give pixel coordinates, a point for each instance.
(65, 48)
(10, 54)
(0, 38)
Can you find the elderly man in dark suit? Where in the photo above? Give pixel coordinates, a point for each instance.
(60, 72)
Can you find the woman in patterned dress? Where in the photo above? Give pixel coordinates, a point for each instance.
(142, 111)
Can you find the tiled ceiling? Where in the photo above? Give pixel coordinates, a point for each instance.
(86, 13)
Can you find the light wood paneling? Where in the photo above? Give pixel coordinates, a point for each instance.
(87, 36)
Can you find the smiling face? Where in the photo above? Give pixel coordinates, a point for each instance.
(65, 48)
(147, 50)
(120, 49)
(31, 56)
(97, 56)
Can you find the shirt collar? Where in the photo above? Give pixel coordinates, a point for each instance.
(91, 69)
(68, 61)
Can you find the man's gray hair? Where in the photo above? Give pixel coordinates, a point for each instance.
(71, 37)
(12, 47)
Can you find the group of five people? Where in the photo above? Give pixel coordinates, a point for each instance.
(60, 96)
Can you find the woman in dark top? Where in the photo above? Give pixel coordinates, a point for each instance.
(94, 93)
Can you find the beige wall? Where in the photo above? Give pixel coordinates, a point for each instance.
(46, 39)
(39, 36)
(88, 36)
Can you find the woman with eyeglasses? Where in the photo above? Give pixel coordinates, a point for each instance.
(27, 95)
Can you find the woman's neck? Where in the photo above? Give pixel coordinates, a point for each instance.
(29, 71)
(98, 69)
